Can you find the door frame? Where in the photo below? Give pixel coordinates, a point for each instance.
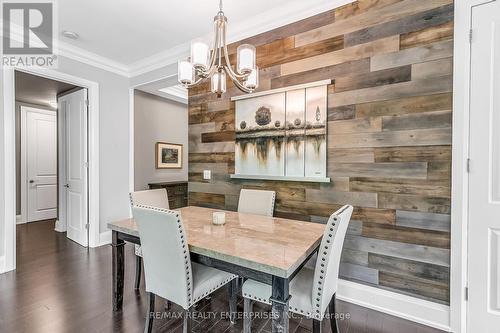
(24, 163)
(460, 155)
(9, 167)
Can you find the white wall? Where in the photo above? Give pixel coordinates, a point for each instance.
(113, 136)
(157, 119)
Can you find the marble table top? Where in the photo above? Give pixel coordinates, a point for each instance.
(267, 244)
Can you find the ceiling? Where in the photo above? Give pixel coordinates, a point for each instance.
(38, 90)
(127, 31)
(131, 37)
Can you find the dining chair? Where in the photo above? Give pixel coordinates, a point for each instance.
(168, 270)
(312, 291)
(257, 202)
(154, 198)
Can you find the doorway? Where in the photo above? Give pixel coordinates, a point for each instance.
(51, 149)
(484, 174)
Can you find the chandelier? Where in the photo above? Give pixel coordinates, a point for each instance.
(214, 63)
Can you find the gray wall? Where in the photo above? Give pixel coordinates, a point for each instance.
(157, 119)
(18, 149)
(114, 145)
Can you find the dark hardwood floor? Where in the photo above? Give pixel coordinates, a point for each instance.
(60, 286)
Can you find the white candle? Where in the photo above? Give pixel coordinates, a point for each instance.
(219, 218)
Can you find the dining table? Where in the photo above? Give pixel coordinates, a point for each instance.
(267, 249)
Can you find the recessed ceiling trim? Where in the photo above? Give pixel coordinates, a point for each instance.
(266, 21)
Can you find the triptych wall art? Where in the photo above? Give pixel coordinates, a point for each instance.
(282, 133)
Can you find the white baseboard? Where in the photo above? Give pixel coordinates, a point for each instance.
(403, 306)
(2, 264)
(105, 238)
(19, 219)
(60, 226)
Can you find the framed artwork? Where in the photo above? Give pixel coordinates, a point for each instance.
(282, 133)
(168, 155)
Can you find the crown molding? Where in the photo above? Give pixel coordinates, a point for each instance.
(268, 20)
(265, 21)
(92, 59)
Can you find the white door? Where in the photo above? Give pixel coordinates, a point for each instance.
(41, 163)
(74, 109)
(484, 197)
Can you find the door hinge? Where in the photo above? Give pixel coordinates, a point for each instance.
(86, 164)
(87, 101)
(468, 165)
(87, 226)
(470, 36)
(466, 293)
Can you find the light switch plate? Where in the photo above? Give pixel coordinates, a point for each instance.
(207, 174)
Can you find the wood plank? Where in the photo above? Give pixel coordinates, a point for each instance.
(343, 112)
(411, 170)
(196, 146)
(360, 125)
(208, 117)
(288, 30)
(396, 233)
(426, 120)
(429, 221)
(373, 79)
(375, 215)
(408, 267)
(354, 257)
(407, 105)
(206, 199)
(219, 167)
(360, 6)
(282, 192)
(323, 73)
(401, 186)
(412, 154)
(426, 36)
(421, 253)
(424, 287)
(436, 68)
(366, 19)
(410, 23)
(357, 272)
(439, 171)
(343, 198)
(360, 155)
(211, 157)
(385, 45)
(413, 55)
(420, 137)
(214, 188)
(414, 202)
(443, 84)
(218, 136)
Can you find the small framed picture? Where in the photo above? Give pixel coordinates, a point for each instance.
(168, 155)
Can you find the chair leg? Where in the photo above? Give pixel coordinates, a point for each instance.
(316, 326)
(232, 291)
(148, 327)
(247, 315)
(138, 269)
(333, 317)
(186, 326)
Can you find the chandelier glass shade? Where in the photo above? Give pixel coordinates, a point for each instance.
(205, 62)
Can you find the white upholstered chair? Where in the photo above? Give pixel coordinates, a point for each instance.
(312, 291)
(154, 198)
(257, 202)
(168, 270)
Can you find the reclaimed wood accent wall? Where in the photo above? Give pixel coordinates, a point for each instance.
(389, 136)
